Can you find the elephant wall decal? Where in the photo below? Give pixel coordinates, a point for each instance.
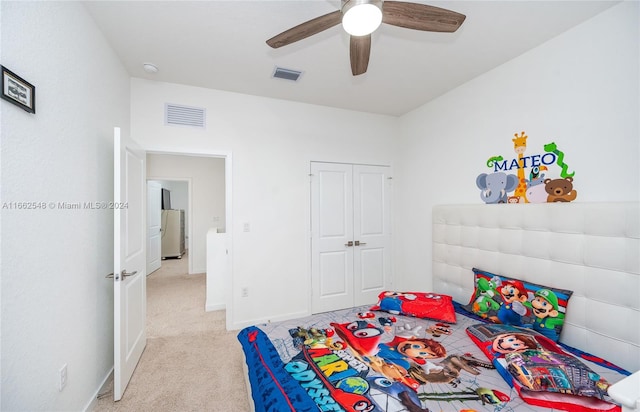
(495, 186)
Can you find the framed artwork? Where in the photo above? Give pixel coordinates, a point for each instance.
(18, 91)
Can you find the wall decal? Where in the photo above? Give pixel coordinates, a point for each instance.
(540, 177)
(495, 186)
(551, 147)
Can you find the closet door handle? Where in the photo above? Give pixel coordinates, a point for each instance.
(360, 244)
(349, 243)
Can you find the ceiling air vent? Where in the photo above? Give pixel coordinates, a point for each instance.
(286, 74)
(177, 115)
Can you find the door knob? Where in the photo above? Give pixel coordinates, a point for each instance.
(360, 244)
(123, 274)
(127, 274)
(349, 243)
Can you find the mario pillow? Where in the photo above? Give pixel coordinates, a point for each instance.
(510, 301)
(418, 304)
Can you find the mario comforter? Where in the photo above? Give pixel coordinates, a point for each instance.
(355, 360)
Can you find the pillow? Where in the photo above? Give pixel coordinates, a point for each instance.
(540, 371)
(501, 299)
(418, 304)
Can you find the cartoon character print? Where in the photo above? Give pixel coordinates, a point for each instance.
(516, 300)
(363, 337)
(448, 370)
(404, 352)
(510, 343)
(387, 323)
(438, 329)
(560, 190)
(397, 391)
(485, 294)
(392, 371)
(536, 192)
(547, 317)
(392, 302)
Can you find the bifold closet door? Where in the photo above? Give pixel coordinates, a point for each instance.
(350, 234)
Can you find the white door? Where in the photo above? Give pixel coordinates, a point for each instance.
(129, 260)
(154, 212)
(350, 235)
(331, 232)
(372, 232)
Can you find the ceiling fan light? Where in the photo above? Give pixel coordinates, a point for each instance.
(360, 18)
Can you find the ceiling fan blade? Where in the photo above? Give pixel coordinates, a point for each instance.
(359, 51)
(421, 17)
(306, 29)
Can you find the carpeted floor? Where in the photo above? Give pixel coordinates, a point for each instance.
(191, 363)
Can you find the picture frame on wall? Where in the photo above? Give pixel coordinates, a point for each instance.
(18, 91)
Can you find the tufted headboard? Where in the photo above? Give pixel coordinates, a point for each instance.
(592, 249)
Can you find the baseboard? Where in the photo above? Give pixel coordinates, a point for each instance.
(92, 402)
(215, 306)
(286, 316)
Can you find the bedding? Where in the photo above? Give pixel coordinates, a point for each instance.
(541, 372)
(511, 301)
(356, 360)
(419, 304)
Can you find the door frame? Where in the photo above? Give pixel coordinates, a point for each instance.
(148, 182)
(189, 228)
(228, 204)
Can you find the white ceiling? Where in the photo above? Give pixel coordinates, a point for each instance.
(221, 45)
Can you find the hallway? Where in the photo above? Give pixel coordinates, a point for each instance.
(191, 363)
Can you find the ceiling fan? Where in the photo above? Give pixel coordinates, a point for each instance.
(362, 17)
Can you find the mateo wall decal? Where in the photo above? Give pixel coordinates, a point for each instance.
(18, 91)
(500, 186)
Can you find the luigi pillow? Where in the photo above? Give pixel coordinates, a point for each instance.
(510, 301)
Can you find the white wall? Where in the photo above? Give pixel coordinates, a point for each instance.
(272, 143)
(207, 210)
(179, 193)
(218, 263)
(580, 90)
(57, 306)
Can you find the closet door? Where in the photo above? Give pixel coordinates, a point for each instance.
(350, 234)
(331, 232)
(371, 231)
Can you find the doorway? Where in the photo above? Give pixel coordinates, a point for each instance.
(196, 185)
(209, 209)
(168, 222)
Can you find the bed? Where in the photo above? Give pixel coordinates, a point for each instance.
(332, 361)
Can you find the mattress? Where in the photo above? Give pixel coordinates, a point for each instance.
(332, 361)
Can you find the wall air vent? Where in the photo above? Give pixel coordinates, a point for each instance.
(177, 115)
(286, 74)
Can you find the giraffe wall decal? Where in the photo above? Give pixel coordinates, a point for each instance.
(520, 146)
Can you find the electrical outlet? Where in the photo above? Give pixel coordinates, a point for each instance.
(246, 227)
(245, 292)
(63, 377)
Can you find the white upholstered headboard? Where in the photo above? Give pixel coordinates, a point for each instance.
(592, 249)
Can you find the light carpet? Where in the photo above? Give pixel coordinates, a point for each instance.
(191, 363)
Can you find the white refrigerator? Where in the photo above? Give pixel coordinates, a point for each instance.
(172, 233)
